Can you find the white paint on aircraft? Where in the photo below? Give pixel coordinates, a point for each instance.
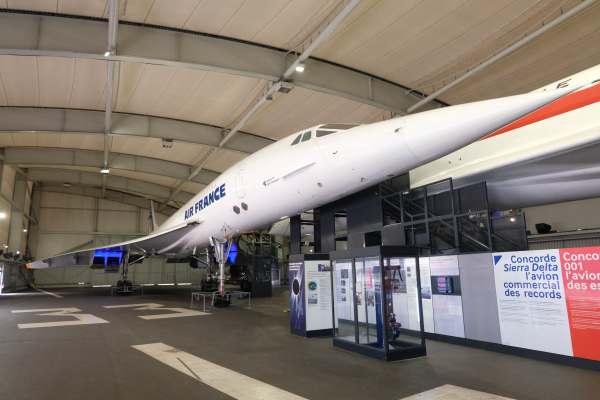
(80, 319)
(177, 312)
(229, 382)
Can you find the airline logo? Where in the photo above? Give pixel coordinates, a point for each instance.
(213, 196)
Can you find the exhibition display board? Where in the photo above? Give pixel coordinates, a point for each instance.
(544, 300)
(311, 312)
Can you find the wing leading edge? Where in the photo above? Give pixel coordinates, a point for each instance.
(168, 241)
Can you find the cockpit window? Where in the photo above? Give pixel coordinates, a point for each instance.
(321, 133)
(297, 140)
(306, 136)
(338, 127)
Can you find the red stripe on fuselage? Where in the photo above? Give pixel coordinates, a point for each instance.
(563, 105)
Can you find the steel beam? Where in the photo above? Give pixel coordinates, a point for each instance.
(64, 36)
(53, 157)
(136, 187)
(111, 50)
(515, 46)
(91, 191)
(65, 120)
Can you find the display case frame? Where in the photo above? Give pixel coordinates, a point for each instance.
(379, 339)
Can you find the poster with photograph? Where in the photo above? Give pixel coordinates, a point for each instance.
(297, 299)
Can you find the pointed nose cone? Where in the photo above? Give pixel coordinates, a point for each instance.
(433, 134)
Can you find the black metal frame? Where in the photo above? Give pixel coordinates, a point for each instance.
(400, 203)
(412, 350)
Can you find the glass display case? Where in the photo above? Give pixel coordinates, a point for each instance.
(377, 302)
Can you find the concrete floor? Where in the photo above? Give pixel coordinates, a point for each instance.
(97, 361)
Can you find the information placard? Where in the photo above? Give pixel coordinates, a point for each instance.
(531, 301)
(581, 276)
(318, 295)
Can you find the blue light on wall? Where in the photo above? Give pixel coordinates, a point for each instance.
(108, 257)
(233, 253)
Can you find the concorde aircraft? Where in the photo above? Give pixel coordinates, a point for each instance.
(546, 156)
(313, 167)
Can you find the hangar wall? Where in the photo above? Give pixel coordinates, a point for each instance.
(70, 222)
(567, 216)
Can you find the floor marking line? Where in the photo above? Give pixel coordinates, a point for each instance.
(451, 392)
(80, 319)
(58, 296)
(189, 369)
(229, 382)
(177, 312)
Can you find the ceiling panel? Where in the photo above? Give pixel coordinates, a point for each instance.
(218, 99)
(294, 23)
(249, 19)
(426, 44)
(184, 153)
(192, 187)
(158, 179)
(56, 80)
(192, 95)
(93, 8)
(212, 15)
(302, 108)
(567, 49)
(37, 5)
(19, 80)
(223, 159)
(166, 13)
(88, 84)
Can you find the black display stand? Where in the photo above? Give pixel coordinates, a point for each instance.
(366, 284)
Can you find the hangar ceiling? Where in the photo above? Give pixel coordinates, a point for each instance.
(187, 71)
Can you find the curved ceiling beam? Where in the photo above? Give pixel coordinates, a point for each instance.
(38, 34)
(65, 120)
(36, 156)
(126, 185)
(110, 194)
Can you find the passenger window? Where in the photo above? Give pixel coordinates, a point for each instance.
(297, 140)
(321, 133)
(306, 136)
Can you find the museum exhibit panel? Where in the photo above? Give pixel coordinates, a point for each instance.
(310, 288)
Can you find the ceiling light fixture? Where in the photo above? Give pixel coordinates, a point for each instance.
(107, 54)
(300, 68)
(105, 170)
(2, 215)
(24, 230)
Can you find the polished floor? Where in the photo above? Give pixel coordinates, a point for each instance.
(153, 347)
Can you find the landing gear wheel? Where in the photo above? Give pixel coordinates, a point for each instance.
(222, 301)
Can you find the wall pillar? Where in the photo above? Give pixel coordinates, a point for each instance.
(18, 223)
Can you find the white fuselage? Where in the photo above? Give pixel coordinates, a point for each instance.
(284, 179)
